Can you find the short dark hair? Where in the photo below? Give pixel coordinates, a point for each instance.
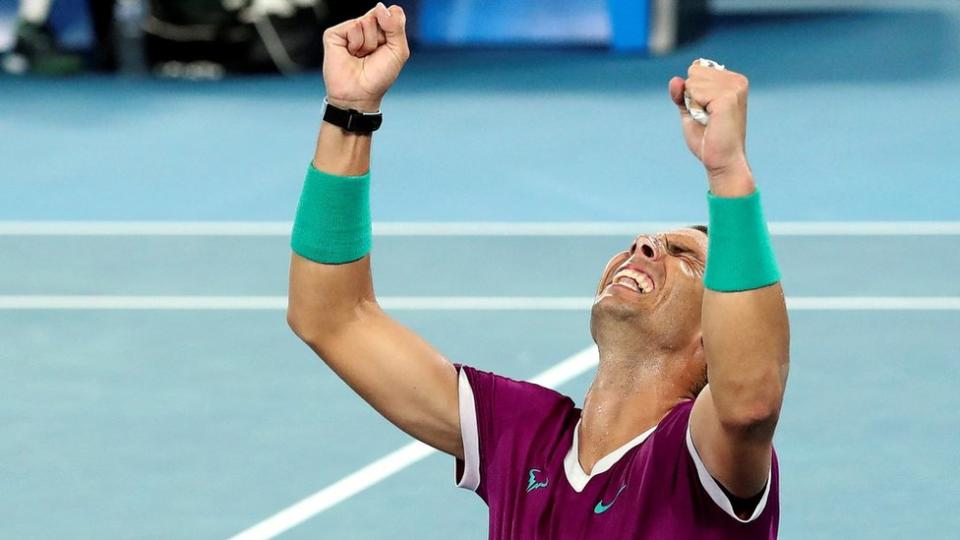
(701, 228)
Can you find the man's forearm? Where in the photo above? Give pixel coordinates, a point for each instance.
(746, 340)
(330, 271)
(323, 297)
(746, 336)
(342, 153)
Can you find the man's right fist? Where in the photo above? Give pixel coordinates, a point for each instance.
(362, 57)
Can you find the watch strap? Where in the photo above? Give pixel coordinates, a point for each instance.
(352, 120)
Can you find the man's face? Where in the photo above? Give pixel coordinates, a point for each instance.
(656, 285)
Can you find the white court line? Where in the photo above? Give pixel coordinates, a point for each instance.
(109, 302)
(392, 463)
(440, 303)
(873, 303)
(281, 228)
(393, 303)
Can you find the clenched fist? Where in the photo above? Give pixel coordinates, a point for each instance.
(721, 144)
(362, 58)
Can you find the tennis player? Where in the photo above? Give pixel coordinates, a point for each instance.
(674, 440)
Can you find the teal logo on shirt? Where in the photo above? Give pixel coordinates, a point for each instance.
(601, 508)
(533, 483)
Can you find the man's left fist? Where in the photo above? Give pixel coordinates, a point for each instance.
(721, 144)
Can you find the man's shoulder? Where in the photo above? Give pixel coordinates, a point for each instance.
(668, 439)
(677, 419)
(508, 394)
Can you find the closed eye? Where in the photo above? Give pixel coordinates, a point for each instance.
(676, 249)
(680, 250)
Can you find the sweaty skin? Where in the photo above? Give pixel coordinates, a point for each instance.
(657, 339)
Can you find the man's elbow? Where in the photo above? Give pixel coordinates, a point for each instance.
(318, 326)
(754, 418)
(754, 405)
(313, 325)
(754, 414)
(303, 327)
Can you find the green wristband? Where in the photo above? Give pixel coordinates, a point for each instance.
(740, 257)
(333, 223)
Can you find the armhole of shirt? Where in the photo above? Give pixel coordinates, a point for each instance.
(715, 492)
(469, 478)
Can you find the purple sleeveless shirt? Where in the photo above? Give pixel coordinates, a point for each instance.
(520, 458)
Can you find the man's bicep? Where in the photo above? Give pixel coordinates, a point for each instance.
(739, 460)
(400, 375)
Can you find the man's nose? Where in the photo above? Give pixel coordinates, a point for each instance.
(648, 247)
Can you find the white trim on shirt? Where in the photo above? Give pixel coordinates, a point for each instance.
(571, 463)
(713, 489)
(470, 434)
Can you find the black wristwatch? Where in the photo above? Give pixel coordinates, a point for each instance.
(352, 120)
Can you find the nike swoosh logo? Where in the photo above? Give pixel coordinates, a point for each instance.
(601, 508)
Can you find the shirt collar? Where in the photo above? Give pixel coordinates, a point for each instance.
(571, 463)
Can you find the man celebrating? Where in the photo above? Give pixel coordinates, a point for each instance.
(675, 437)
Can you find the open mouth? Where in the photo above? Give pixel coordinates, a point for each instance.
(634, 280)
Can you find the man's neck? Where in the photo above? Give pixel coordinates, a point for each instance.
(629, 395)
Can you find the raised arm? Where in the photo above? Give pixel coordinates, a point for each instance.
(332, 305)
(744, 318)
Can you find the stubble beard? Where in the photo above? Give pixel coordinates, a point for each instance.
(615, 324)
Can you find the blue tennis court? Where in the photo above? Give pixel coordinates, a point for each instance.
(151, 387)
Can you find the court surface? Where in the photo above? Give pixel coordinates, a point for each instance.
(151, 389)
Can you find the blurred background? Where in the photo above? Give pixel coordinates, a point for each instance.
(153, 153)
